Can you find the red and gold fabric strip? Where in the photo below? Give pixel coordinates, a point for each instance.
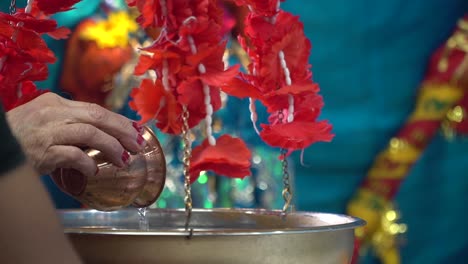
(443, 88)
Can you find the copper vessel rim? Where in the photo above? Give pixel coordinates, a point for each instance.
(164, 170)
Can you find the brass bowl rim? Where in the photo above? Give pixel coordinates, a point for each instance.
(351, 223)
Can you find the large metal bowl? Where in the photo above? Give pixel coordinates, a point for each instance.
(219, 236)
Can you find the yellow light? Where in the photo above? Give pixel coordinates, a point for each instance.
(394, 229)
(403, 228)
(391, 215)
(112, 32)
(456, 114)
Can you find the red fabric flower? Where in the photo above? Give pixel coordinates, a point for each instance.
(172, 14)
(304, 94)
(148, 14)
(28, 22)
(191, 94)
(207, 34)
(296, 135)
(31, 45)
(190, 41)
(23, 53)
(151, 101)
(305, 130)
(241, 87)
(215, 74)
(28, 93)
(267, 40)
(272, 36)
(266, 8)
(23, 21)
(49, 7)
(155, 62)
(230, 157)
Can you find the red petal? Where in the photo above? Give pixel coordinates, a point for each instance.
(28, 93)
(6, 30)
(217, 78)
(29, 22)
(33, 45)
(147, 99)
(155, 61)
(263, 7)
(149, 12)
(54, 6)
(152, 102)
(145, 62)
(229, 157)
(191, 94)
(169, 120)
(296, 89)
(304, 94)
(60, 33)
(296, 135)
(241, 89)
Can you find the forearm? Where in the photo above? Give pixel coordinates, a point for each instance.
(31, 231)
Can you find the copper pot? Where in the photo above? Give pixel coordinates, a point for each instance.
(112, 188)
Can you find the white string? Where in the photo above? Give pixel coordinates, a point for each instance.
(287, 76)
(207, 97)
(253, 115)
(165, 76)
(28, 6)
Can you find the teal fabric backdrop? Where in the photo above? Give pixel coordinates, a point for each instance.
(369, 58)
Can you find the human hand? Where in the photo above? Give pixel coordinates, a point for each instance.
(52, 130)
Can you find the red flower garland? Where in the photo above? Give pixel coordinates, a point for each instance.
(187, 58)
(23, 53)
(280, 77)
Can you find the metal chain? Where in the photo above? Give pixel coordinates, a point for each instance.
(186, 160)
(287, 190)
(12, 7)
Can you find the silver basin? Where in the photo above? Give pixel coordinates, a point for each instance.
(219, 236)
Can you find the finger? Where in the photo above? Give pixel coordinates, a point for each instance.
(74, 167)
(90, 136)
(71, 157)
(123, 129)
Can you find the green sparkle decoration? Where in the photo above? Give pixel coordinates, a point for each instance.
(162, 204)
(203, 178)
(208, 204)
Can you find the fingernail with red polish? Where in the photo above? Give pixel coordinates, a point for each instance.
(125, 157)
(137, 126)
(140, 140)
